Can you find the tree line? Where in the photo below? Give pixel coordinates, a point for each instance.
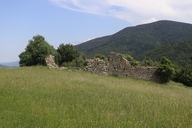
(38, 49)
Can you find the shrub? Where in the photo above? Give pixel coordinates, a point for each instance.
(149, 63)
(78, 62)
(101, 56)
(165, 70)
(131, 59)
(67, 53)
(184, 76)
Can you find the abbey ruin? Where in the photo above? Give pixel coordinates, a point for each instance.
(116, 65)
(120, 66)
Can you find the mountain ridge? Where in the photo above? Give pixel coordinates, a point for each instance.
(136, 40)
(2, 66)
(10, 64)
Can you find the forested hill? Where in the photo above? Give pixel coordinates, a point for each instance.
(178, 52)
(138, 39)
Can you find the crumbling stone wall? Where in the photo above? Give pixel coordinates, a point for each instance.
(50, 61)
(148, 73)
(118, 65)
(97, 66)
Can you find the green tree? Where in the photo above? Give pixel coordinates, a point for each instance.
(184, 76)
(36, 52)
(148, 62)
(78, 62)
(131, 59)
(101, 56)
(67, 54)
(165, 70)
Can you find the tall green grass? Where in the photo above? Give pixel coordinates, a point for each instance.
(37, 97)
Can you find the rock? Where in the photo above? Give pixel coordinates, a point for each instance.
(63, 68)
(50, 62)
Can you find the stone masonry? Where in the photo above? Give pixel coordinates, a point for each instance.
(50, 61)
(120, 66)
(97, 66)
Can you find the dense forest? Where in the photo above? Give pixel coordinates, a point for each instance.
(178, 52)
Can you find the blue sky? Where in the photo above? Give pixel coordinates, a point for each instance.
(76, 21)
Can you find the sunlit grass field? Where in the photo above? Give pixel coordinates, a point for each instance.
(38, 97)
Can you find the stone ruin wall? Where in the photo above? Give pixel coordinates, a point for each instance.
(118, 65)
(50, 62)
(97, 66)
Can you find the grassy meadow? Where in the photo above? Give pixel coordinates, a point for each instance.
(38, 97)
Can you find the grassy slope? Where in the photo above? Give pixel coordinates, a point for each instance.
(39, 97)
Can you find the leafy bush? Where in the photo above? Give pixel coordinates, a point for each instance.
(149, 62)
(184, 76)
(67, 53)
(165, 70)
(131, 59)
(101, 56)
(79, 62)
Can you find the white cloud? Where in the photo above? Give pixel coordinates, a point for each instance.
(89, 39)
(134, 11)
(149, 20)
